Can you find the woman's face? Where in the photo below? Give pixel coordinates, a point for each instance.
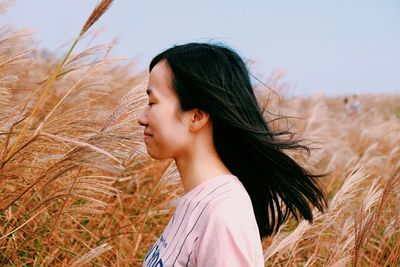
(166, 125)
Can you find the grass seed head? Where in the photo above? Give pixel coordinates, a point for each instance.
(98, 11)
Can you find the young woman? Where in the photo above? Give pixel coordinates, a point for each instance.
(203, 113)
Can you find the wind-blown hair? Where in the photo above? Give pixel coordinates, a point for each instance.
(214, 78)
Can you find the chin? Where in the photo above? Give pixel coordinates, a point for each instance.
(154, 155)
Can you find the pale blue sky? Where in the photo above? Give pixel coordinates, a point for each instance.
(335, 47)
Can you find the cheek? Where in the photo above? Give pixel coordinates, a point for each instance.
(174, 135)
(169, 143)
(172, 132)
(171, 137)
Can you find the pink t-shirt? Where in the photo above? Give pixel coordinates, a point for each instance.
(213, 225)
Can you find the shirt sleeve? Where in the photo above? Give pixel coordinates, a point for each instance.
(230, 238)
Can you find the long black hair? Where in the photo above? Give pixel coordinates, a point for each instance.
(214, 78)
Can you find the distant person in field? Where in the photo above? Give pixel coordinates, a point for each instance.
(356, 104)
(239, 184)
(352, 107)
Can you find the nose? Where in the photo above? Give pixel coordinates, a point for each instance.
(142, 120)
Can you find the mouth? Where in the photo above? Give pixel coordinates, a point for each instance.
(145, 136)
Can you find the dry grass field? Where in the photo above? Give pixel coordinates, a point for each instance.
(77, 187)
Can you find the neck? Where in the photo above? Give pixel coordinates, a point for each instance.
(201, 164)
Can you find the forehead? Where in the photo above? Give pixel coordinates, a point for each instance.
(160, 81)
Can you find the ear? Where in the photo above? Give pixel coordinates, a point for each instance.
(199, 119)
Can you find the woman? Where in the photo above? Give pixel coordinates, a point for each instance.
(203, 113)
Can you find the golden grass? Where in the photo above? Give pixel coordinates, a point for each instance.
(79, 189)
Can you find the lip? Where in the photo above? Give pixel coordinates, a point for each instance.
(146, 138)
(146, 135)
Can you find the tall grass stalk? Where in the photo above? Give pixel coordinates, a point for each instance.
(99, 10)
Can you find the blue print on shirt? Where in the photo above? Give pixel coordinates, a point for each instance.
(154, 257)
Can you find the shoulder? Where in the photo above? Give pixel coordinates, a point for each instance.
(232, 212)
(232, 209)
(223, 200)
(227, 197)
(230, 236)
